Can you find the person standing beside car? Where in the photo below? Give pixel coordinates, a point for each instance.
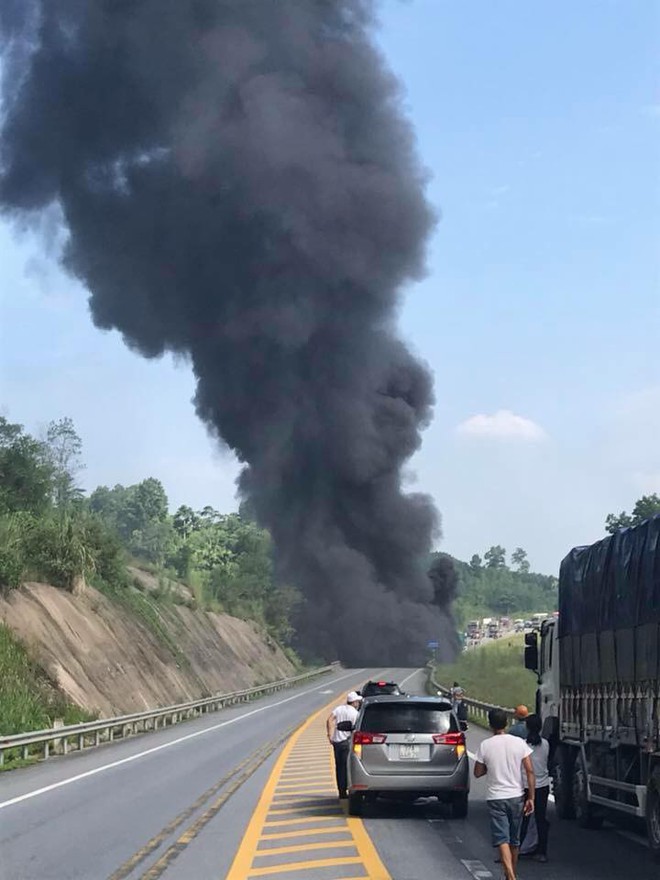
(539, 757)
(504, 757)
(458, 704)
(342, 716)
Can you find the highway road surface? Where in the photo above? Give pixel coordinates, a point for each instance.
(247, 793)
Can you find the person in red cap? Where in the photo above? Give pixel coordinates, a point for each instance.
(519, 726)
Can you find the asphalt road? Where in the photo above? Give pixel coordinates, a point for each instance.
(176, 804)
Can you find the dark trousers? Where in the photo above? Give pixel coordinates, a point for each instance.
(542, 824)
(341, 751)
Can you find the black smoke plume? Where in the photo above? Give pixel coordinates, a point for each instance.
(240, 186)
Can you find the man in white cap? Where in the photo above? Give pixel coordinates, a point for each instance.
(340, 739)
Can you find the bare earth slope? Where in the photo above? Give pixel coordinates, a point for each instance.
(107, 659)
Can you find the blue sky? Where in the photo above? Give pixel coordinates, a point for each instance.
(540, 314)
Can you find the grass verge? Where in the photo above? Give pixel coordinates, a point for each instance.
(28, 699)
(493, 673)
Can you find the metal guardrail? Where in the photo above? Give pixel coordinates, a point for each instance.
(477, 710)
(76, 737)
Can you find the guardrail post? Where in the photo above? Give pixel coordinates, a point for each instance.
(81, 741)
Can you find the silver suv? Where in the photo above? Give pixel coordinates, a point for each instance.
(408, 747)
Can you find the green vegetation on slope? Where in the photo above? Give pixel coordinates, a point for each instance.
(50, 531)
(493, 673)
(28, 700)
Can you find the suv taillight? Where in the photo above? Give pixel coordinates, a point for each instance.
(449, 739)
(361, 738)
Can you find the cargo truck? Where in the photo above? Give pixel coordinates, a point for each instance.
(493, 631)
(598, 668)
(472, 630)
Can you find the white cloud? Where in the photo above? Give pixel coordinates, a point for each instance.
(502, 425)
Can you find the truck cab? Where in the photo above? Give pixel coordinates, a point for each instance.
(543, 659)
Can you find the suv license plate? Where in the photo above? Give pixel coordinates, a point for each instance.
(409, 753)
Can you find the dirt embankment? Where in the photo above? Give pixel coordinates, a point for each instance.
(108, 659)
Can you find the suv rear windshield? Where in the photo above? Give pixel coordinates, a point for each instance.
(408, 718)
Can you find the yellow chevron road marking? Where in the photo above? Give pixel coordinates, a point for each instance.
(299, 802)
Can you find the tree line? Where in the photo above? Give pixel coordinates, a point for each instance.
(645, 507)
(51, 530)
(489, 587)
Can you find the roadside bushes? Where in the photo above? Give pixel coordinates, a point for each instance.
(65, 549)
(15, 529)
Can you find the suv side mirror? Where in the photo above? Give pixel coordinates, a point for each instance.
(531, 640)
(345, 726)
(532, 658)
(463, 725)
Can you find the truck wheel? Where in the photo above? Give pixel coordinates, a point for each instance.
(585, 813)
(562, 783)
(653, 813)
(459, 805)
(355, 802)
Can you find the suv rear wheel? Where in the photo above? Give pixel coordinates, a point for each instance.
(459, 805)
(355, 804)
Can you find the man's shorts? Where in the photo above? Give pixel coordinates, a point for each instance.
(506, 820)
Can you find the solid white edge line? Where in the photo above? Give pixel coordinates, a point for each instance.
(46, 788)
(415, 672)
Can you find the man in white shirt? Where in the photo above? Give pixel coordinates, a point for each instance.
(503, 757)
(340, 739)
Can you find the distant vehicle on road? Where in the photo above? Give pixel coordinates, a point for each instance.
(379, 688)
(472, 629)
(519, 625)
(493, 631)
(537, 620)
(407, 747)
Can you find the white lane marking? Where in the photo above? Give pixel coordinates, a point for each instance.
(154, 749)
(408, 677)
(325, 692)
(476, 868)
